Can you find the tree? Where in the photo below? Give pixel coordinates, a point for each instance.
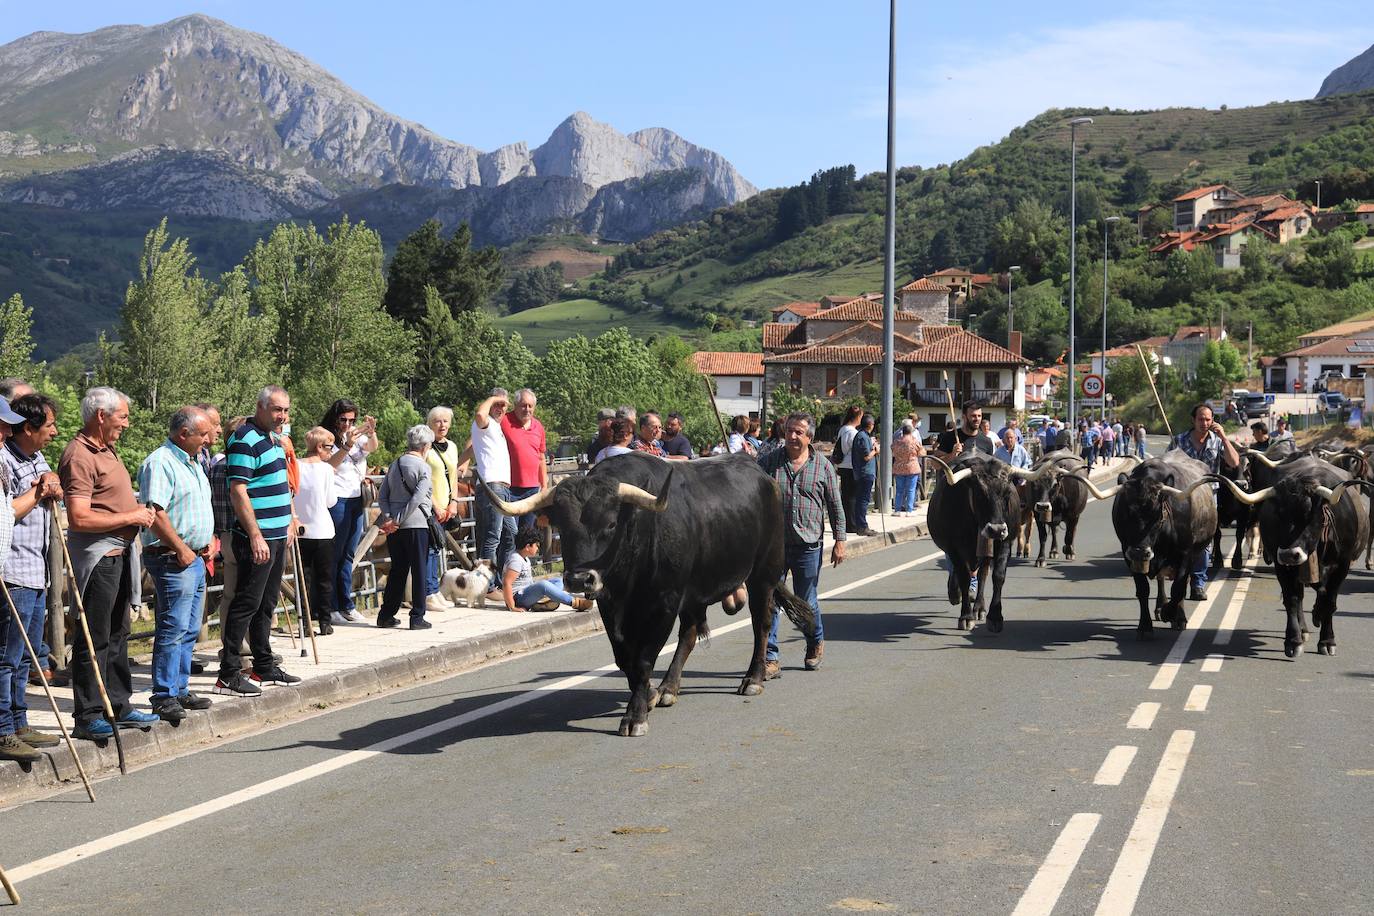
(1032, 236)
(794, 213)
(438, 336)
(477, 358)
(1255, 264)
(1135, 184)
(1219, 366)
(16, 338)
(238, 349)
(465, 278)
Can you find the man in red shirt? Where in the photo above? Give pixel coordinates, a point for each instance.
(525, 440)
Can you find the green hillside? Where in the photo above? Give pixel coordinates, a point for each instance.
(557, 320)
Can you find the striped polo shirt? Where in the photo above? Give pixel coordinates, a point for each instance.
(254, 457)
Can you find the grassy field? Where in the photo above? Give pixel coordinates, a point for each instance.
(587, 317)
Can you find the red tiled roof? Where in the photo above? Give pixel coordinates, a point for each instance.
(824, 353)
(934, 332)
(963, 348)
(950, 272)
(922, 285)
(1150, 343)
(1196, 330)
(1284, 213)
(860, 310)
(799, 308)
(780, 336)
(727, 363)
(1336, 346)
(1200, 192)
(1365, 208)
(984, 279)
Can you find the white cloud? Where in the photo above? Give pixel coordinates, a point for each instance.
(956, 96)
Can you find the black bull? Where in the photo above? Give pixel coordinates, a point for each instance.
(1057, 498)
(657, 541)
(1312, 528)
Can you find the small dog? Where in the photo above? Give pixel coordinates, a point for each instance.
(471, 586)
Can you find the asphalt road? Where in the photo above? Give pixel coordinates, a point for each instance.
(921, 770)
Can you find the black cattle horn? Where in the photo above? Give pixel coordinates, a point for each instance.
(951, 476)
(520, 506)
(1332, 495)
(1187, 491)
(1249, 499)
(1035, 473)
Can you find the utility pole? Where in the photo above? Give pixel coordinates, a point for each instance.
(1073, 258)
(889, 267)
(1106, 224)
(1250, 349)
(1011, 274)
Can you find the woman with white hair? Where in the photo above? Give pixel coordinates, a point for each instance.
(442, 458)
(406, 501)
(907, 453)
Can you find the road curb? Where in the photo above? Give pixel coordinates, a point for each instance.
(237, 716)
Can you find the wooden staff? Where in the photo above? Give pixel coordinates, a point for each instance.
(9, 888)
(90, 650)
(1150, 376)
(52, 701)
(303, 592)
(949, 398)
(711, 393)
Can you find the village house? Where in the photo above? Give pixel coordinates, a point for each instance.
(738, 378)
(1191, 206)
(833, 353)
(1041, 385)
(1346, 348)
(1225, 222)
(1365, 214)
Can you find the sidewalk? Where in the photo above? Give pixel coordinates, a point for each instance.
(358, 660)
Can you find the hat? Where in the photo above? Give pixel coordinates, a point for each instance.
(8, 415)
(605, 413)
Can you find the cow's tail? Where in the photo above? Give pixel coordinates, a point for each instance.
(797, 611)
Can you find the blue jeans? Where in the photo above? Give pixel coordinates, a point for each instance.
(906, 492)
(348, 531)
(498, 531)
(526, 520)
(14, 657)
(432, 572)
(544, 588)
(803, 561)
(1140, 449)
(863, 495)
(179, 594)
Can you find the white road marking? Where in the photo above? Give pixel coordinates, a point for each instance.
(1212, 663)
(1114, 768)
(1123, 887)
(195, 812)
(1227, 628)
(1164, 677)
(1043, 892)
(1198, 698)
(1144, 716)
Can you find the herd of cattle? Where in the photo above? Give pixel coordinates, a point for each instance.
(659, 542)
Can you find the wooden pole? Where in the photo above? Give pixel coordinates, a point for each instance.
(1150, 376)
(711, 393)
(52, 701)
(301, 590)
(9, 888)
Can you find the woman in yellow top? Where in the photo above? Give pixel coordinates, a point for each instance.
(443, 465)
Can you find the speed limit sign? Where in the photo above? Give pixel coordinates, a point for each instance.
(1091, 386)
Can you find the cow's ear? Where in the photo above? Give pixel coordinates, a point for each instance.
(1169, 480)
(1120, 479)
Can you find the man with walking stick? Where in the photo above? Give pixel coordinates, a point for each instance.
(103, 518)
(172, 484)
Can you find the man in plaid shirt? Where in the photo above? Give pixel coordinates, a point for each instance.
(810, 491)
(172, 483)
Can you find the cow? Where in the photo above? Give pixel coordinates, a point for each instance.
(1165, 516)
(1312, 529)
(656, 541)
(1232, 512)
(1057, 497)
(1357, 462)
(970, 519)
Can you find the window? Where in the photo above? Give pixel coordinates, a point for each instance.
(868, 376)
(832, 382)
(796, 380)
(932, 379)
(746, 388)
(992, 379)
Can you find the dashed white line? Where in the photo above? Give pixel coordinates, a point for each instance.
(1114, 768)
(1043, 892)
(1164, 677)
(1227, 628)
(1123, 887)
(1212, 663)
(1144, 716)
(1198, 698)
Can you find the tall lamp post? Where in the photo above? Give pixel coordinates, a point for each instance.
(1073, 257)
(1011, 273)
(1319, 194)
(889, 268)
(1106, 224)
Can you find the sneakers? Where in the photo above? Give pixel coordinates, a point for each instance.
(814, 655)
(772, 669)
(421, 623)
(94, 730)
(169, 709)
(34, 738)
(137, 719)
(546, 604)
(275, 676)
(236, 685)
(387, 623)
(193, 700)
(436, 602)
(354, 616)
(1197, 593)
(337, 617)
(14, 748)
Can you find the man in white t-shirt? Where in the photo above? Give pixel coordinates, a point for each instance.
(845, 466)
(487, 447)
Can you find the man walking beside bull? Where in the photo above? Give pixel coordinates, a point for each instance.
(810, 493)
(1206, 442)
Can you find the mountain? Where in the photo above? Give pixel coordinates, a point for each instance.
(1355, 75)
(198, 84)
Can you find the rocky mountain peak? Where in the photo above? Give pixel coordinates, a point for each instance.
(1355, 75)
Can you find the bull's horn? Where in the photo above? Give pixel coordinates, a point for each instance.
(1262, 458)
(950, 476)
(1034, 473)
(1332, 495)
(1100, 494)
(1326, 453)
(1136, 458)
(1188, 490)
(1250, 499)
(629, 493)
(520, 506)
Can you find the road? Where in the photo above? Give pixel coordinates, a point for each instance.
(921, 770)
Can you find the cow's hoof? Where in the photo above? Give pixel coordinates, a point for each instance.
(1291, 649)
(748, 688)
(666, 698)
(1054, 554)
(966, 623)
(953, 594)
(994, 626)
(630, 729)
(1069, 554)
(1178, 622)
(1326, 648)
(1237, 562)
(1039, 561)
(653, 698)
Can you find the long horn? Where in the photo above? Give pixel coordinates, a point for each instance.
(1332, 495)
(1035, 473)
(1100, 494)
(1136, 458)
(951, 476)
(520, 506)
(1205, 480)
(1262, 458)
(1250, 499)
(629, 493)
(1326, 453)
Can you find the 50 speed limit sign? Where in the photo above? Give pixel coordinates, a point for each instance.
(1091, 386)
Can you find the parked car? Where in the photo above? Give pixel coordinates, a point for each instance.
(1319, 383)
(1037, 420)
(1255, 405)
(1333, 400)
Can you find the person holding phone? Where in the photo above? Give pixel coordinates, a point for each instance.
(354, 440)
(1206, 441)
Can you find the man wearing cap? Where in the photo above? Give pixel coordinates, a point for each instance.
(1281, 431)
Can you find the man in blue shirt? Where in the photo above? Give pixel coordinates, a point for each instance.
(1012, 451)
(1014, 425)
(864, 448)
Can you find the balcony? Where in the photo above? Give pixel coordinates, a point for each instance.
(940, 397)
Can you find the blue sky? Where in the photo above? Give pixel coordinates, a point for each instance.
(780, 87)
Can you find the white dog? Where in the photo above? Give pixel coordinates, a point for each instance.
(469, 585)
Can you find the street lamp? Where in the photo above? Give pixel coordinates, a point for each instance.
(1073, 255)
(1011, 271)
(1105, 224)
(1319, 194)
